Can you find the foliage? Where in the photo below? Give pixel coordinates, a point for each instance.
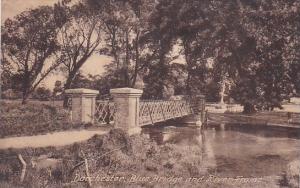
(126, 32)
(80, 38)
(28, 41)
(267, 77)
(31, 119)
(248, 50)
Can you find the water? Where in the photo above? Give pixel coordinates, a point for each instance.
(236, 150)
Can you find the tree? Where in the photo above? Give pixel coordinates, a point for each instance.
(80, 38)
(273, 27)
(126, 25)
(163, 22)
(29, 41)
(248, 41)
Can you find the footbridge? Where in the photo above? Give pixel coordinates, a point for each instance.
(127, 110)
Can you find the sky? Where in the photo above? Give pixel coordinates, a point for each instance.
(11, 8)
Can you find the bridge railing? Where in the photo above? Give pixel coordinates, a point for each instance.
(153, 111)
(105, 112)
(127, 111)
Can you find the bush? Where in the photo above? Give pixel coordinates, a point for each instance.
(32, 118)
(42, 94)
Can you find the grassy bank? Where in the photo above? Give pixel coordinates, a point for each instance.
(277, 118)
(133, 158)
(32, 119)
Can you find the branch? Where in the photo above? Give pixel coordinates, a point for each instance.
(43, 76)
(24, 167)
(15, 61)
(87, 172)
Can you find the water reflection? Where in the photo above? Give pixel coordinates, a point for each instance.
(235, 150)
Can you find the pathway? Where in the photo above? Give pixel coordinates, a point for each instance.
(51, 139)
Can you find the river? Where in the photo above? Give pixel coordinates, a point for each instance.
(232, 150)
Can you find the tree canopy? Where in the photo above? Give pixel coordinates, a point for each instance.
(249, 50)
(28, 41)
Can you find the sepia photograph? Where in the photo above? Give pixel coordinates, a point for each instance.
(150, 94)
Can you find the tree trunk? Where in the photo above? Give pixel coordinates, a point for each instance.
(24, 99)
(188, 84)
(25, 87)
(25, 95)
(68, 85)
(137, 62)
(187, 52)
(126, 63)
(249, 108)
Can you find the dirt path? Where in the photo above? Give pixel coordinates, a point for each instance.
(51, 139)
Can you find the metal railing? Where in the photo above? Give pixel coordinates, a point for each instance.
(153, 111)
(105, 112)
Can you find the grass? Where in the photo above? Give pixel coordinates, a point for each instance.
(32, 119)
(292, 174)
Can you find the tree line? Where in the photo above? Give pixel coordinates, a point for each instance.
(249, 50)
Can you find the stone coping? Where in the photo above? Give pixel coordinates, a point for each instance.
(126, 90)
(81, 91)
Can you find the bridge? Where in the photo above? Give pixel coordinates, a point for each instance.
(127, 110)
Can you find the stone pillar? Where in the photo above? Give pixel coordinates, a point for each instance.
(198, 103)
(127, 108)
(83, 104)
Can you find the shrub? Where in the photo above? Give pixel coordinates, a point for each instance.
(32, 118)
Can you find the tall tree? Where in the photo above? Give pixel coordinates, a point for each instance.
(163, 22)
(126, 28)
(29, 41)
(274, 26)
(80, 37)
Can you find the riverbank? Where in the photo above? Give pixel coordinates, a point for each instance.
(279, 119)
(120, 160)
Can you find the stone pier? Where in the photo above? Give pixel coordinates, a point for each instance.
(127, 108)
(83, 104)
